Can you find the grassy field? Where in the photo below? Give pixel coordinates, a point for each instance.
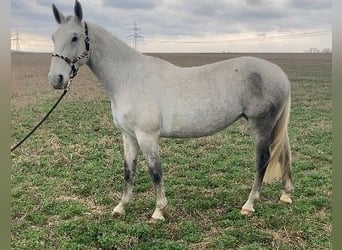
(68, 177)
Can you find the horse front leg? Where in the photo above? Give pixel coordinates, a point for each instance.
(150, 148)
(131, 151)
(154, 165)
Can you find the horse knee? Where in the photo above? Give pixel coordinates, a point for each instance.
(129, 170)
(156, 173)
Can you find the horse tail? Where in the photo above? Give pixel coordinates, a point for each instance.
(279, 163)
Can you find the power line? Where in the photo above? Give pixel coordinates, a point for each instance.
(135, 36)
(265, 38)
(254, 39)
(17, 40)
(291, 26)
(323, 22)
(20, 39)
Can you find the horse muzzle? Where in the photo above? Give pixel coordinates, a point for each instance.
(58, 81)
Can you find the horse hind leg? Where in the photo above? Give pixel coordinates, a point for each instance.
(285, 159)
(273, 156)
(262, 142)
(281, 154)
(131, 151)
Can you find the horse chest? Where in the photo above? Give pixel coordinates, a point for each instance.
(123, 120)
(125, 124)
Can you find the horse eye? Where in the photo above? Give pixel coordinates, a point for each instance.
(74, 39)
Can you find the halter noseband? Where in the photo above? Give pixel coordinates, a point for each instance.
(73, 62)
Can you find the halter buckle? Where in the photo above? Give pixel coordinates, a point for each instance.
(67, 87)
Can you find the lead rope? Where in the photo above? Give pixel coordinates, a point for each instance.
(44, 118)
(74, 71)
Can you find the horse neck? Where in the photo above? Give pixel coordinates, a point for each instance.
(110, 59)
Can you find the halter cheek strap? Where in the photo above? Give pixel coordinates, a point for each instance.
(72, 63)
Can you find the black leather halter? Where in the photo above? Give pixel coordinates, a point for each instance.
(72, 63)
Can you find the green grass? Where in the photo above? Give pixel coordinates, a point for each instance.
(68, 177)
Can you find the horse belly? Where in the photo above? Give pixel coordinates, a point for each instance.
(198, 123)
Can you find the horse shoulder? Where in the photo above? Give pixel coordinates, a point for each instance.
(136, 111)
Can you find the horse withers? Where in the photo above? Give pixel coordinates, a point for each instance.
(151, 98)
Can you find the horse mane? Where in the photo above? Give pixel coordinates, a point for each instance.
(114, 45)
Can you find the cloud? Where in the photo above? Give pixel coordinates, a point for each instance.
(28, 8)
(310, 4)
(258, 2)
(29, 16)
(132, 4)
(179, 19)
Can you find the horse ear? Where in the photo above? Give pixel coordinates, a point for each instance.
(78, 10)
(58, 15)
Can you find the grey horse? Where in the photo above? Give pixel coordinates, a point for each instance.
(151, 98)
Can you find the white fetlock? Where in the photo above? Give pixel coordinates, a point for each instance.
(246, 212)
(247, 209)
(119, 210)
(158, 215)
(285, 198)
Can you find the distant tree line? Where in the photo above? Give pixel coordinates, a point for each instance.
(316, 50)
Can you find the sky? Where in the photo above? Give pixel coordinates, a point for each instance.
(186, 25)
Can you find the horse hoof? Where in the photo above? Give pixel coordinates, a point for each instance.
(156, 221)
(285, 198)
(117, 215)
(157, 216)
(246, 212)
(118, 211)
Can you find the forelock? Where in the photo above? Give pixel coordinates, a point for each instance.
(67, 19)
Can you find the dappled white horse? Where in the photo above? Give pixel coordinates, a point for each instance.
(151, 98)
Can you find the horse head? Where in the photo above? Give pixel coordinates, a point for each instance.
(71, 47)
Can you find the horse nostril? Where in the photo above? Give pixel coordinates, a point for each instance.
(60, 78)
